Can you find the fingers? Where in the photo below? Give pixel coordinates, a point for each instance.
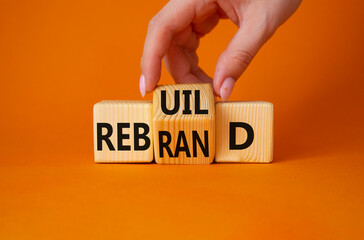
(179, 65)
(181, 59)
(172, 18)
(182, 63)
(204, 27)
(236, 58)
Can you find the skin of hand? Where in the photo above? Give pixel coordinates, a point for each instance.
(174, 33)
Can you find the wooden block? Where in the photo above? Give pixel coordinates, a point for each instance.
(244, 132)
(184, 124)
(122, 131)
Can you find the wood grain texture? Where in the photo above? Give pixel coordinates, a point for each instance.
(187, 123)
(259, 115)
(114, 112)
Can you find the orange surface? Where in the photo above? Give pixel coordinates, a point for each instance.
(58, 58)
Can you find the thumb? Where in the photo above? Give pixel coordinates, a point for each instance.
(236, 58)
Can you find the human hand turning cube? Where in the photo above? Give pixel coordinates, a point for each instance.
(185, 126)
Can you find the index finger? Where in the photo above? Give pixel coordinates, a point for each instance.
(173, 18)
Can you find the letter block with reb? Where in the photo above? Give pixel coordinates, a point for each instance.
(244, 132)
(184, 124)
(122, 131)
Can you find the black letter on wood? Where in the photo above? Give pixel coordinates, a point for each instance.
(182, 136)
(164, 102)
(187, 109)
(105, 137)
(196, 138)
(164, 144)
(250, 135)
(137, 136)
(122, 136)
(197, 104)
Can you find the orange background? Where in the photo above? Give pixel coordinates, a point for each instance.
(58, 58)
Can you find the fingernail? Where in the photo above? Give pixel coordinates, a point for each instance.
(226, 88)
(142, 85)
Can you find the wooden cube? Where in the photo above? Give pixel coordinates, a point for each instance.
(184, 124)
(122, 131)
(244, 132)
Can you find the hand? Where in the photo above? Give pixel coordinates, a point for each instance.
(173, 35)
